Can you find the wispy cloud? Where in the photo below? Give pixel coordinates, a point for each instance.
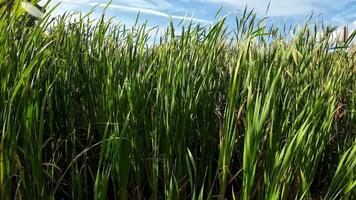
(150, 12)
(277, 7)
(143, 10)
(284, 7)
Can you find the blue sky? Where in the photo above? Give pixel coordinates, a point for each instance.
(158, 12)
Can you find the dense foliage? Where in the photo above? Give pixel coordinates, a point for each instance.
(95, 110)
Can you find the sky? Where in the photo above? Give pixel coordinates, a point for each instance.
(159, 12)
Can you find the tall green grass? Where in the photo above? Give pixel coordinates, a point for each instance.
(95, 110)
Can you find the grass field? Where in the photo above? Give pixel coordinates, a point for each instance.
(96, 110)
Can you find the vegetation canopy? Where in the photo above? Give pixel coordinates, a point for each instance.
(91, 109)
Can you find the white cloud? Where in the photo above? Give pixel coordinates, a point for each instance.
(277, 7)
(157, 4)
(146, 7)
(283, 7)
(150, 12)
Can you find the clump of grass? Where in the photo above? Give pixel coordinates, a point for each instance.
(92, 109)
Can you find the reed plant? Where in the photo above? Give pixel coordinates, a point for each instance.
(92, 109)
